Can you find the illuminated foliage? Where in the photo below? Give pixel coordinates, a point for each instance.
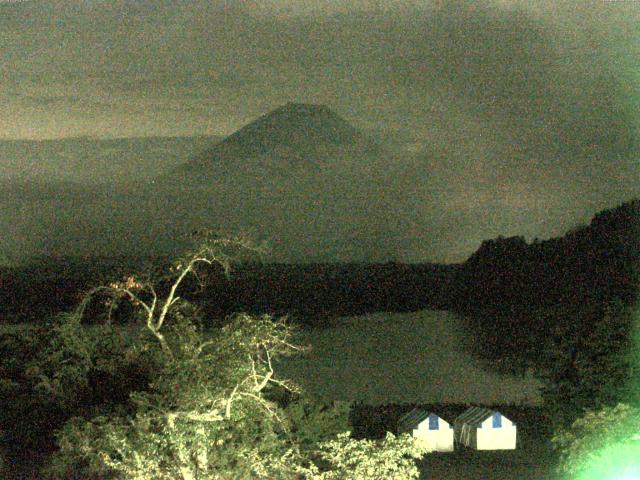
(208, 411)
(310, 422)
(205, 415)
(633, 359)
(390, 459)
(603, 444)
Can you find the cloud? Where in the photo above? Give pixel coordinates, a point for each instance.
(530, 109)
(503, 60)
(48, 100)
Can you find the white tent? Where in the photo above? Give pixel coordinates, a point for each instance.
(485, 429)
(429, 427)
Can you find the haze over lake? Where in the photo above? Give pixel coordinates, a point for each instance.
(386, 358)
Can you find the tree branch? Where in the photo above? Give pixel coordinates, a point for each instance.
(267, 377)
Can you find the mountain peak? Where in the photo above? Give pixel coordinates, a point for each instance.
(294, 133)
(296, 125)
(303, 109)
(301, 134)
(297, 106)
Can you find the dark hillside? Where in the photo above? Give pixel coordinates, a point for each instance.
(297, 135)
(309, 293)
(562, 307)
(506, 280)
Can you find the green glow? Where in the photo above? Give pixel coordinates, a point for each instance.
(619, 461)
(634, 386)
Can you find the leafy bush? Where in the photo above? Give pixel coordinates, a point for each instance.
(588, 363)
(208, 411)
(61, 369)
(25, 417)
(207, 415)
(390, 459)
(203, 408)
(311, 422)
(3, 454)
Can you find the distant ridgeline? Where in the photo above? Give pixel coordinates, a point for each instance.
(590, 264)
(505, 279)
(563, 306)
(308, 293)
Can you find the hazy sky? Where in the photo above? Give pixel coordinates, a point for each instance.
(526, 109)
(123, 67)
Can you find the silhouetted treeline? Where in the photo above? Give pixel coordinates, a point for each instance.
(563, 307)
(517, 293)
(594, 264)
(309, 293)
(504, 283)
(50, 285)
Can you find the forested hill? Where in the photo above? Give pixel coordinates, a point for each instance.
(505, 277)
(309, 293)
(564, 307)
(594, 263)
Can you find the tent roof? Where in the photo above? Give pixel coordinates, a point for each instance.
(475, 416)
(414, 418)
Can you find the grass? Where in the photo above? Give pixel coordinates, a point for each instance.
(534, 459)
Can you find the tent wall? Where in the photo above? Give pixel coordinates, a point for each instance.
(430, 428)
(494, 439)
(465, 435)
(440, 440)
(484, 429)
(500, 438)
